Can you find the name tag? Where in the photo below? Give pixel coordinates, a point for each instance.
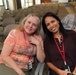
(30, 65)
(66, 67)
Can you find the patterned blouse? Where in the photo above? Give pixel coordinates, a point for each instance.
(21, 47)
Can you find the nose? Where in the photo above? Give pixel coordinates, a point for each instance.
(31, 25)
(51, 24)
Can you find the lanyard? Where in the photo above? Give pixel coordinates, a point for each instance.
(27, 45)
(62, 52)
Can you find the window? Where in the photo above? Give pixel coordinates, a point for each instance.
(28, 2)
(1, 2)
(6, 3)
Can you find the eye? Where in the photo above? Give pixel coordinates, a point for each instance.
(52, 21)
(34, 25)
(47, 24)
(29, 22)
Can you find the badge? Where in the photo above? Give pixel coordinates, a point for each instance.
(30, 65)
(66, 67)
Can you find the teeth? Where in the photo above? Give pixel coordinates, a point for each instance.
(53, 28)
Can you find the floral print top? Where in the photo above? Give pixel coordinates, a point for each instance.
(21, 47)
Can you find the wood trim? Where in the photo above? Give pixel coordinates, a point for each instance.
(45, 1)
(15, 4)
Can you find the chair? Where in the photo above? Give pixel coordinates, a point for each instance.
(5, 15)
(39, 69)
(7, 29)
(18, 17)
(7, 21)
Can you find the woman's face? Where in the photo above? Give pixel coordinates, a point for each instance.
(52, 24)
(31, 25)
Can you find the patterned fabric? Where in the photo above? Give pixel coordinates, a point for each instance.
(69, 21)
(21, 47)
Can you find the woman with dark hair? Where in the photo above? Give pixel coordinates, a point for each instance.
(59, 46)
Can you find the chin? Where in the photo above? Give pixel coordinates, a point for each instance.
(55, 32)
(29, 33)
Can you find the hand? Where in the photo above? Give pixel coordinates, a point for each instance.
(34, 40)
(20, 72)
(74, 29)
(63, 72)
(74, 72)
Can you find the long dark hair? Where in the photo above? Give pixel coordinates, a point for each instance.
(46, 31)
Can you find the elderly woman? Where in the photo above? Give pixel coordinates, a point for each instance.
(20, 47)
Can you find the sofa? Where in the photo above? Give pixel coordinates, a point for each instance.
(57, 8)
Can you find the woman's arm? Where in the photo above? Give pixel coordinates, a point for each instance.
(40, 52)
(57, 70)
(5, 54)
(74, 72)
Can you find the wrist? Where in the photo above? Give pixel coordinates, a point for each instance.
(74, 70)
(38, 44)
(18, 71)
(59, 72)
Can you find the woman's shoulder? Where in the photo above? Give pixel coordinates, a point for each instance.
(15, 31)
(71, 32)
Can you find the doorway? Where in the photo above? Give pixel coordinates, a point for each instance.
(18, 4)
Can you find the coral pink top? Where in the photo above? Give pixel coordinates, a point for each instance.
(21, 47)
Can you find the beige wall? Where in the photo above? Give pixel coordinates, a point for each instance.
(11, 4)
(2, 9)
(62, 1)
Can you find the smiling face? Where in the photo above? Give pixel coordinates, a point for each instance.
(52, 24)
(31, 25)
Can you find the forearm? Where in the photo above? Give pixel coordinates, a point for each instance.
(54, 68)
(74, 70)
(57, 70)
(10, 62)
(40, 53)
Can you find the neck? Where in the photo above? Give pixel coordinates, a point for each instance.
(27, 36)
(57, 35)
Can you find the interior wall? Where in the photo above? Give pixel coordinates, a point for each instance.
(11, 4)
(2, 9)
(22, 3)
(37, 1)
(62, 1)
